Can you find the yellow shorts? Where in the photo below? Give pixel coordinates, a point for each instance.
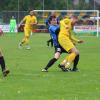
(66, 43)
(27, 32)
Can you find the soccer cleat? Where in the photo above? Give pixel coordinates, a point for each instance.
(44, 70)
(6, 72)
(75, 70)
(69, 69)
(20, 46)
(28, 47)
(62, 67)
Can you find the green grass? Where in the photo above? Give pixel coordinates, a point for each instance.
(27, 82)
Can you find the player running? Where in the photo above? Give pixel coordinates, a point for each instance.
(67, 41)
(30, 21)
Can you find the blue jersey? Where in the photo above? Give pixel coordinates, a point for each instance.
(48, 20)
(54, 30)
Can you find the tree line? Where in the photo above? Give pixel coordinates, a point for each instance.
(25, 5)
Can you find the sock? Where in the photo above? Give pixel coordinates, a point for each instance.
(70, 59)
(50, 63)
(63, 62)
(25, 40)
(2, 63)
(76, 61)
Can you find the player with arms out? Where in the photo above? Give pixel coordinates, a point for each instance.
(30, 21)
(67, 41)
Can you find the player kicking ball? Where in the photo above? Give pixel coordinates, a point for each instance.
(54, 31)
(67, 41)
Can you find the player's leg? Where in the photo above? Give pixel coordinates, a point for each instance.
(68, 60)
(3, 66)
(71, 57)
(10, 28)
(50, 41)
(75, 63)
(26, 36)
(66, 43)
(13, 29)
(25, 40)
(52, 61)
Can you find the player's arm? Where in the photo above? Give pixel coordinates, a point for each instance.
(50, 41)
(65, 24)
(47, 21)
(35, 22)
(74, 38)
(22, 21)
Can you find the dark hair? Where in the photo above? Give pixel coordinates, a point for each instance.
(74, 16)
(51, 17)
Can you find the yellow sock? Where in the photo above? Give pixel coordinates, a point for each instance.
(70, 59)
(25, 40)
(63, 62)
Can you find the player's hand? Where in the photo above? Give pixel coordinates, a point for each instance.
(50, 42)
(80, 41)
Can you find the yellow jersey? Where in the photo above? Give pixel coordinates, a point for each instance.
(66, 29)
(29, 20)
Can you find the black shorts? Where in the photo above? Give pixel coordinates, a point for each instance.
(60, 50)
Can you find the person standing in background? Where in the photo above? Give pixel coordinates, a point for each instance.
(12, 24)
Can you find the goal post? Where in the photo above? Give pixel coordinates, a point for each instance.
(90, 19)
(88, 23)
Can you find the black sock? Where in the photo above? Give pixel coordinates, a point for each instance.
(76, 62)
(2, 63)
(50, 63)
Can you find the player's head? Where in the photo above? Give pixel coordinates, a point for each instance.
(12, 17)
(53, 13)
(74, 19)
(32, 12)
(53, 20)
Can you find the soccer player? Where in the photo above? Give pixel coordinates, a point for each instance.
(3, 66)
(53, 15)
(67, 40)
(54, 30)
(12, 24)
(30, 21)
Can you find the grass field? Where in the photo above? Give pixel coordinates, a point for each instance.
(27, 82)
